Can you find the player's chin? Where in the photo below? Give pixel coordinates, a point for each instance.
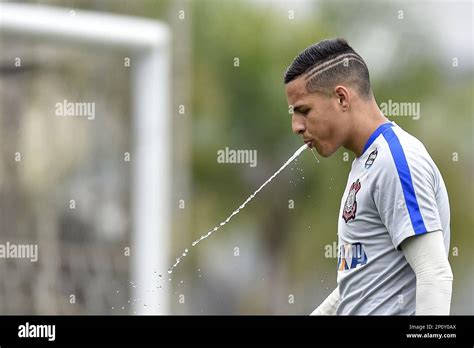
(325, 151)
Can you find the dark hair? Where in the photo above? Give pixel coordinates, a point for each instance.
(328, 63)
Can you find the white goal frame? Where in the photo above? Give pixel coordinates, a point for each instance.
(147, 43)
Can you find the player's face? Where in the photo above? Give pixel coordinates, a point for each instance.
(317, 118)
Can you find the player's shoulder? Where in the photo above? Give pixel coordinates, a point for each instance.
(401, 153)
(407, 146)
(409, 142)
(396, 142)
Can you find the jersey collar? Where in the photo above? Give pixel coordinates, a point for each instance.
(375, 134)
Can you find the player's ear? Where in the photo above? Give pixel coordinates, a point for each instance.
(342, 96)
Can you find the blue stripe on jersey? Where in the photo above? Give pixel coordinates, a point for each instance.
(405, 178)
(375, 134)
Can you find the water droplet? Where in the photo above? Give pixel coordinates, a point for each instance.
(118, 291)
(123, 307)
(170, 271)
(159, 276)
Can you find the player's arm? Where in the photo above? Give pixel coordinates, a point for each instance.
(427, 257)
(329, 305)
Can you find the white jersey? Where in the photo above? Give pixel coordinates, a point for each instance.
(394, 191)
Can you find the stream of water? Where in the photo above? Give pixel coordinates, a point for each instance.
(242, 206)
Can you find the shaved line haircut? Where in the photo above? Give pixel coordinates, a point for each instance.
(343, 58)
(329, 63)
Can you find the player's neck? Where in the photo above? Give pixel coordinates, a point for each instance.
(366, 121)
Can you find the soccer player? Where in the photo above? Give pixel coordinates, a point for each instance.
(393, 223)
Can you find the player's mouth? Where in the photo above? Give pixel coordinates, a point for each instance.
(308, 142)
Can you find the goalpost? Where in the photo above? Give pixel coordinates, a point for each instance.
(147, 42)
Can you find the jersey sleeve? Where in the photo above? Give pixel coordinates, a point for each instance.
(405, 193)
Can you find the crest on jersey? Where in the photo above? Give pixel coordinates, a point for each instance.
(371, 159)
(350, 207)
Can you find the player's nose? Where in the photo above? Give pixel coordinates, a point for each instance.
(297, 125)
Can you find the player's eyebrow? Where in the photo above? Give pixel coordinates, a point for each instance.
(300, 108)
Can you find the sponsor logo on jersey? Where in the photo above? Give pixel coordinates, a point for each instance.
(350, 207)
(351, 256)
(371, 159)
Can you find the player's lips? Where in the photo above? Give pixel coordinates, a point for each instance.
(309, 143)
